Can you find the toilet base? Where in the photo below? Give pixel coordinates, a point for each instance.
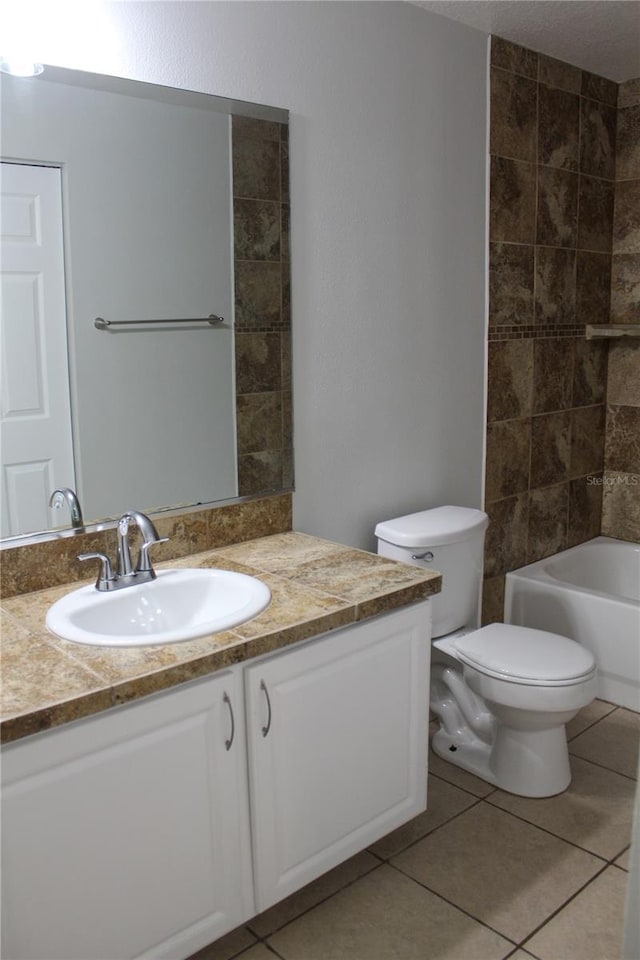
(467, 752)
(526, 763)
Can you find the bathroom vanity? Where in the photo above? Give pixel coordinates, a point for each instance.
(151, 827)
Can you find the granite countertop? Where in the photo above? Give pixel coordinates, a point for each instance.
(316, 586)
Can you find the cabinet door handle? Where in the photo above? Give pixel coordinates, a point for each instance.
(263, 687)
(227, 743)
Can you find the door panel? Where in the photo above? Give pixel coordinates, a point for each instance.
(37, 453)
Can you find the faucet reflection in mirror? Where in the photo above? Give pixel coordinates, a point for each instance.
(69, 496)
(222, 447)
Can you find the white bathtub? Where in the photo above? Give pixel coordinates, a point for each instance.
(590, 593)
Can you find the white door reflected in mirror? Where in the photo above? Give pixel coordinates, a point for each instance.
(37, 453)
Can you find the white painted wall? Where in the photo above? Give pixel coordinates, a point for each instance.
(388, 154)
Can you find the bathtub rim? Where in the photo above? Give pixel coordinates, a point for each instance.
(537, 571)
(587, 616)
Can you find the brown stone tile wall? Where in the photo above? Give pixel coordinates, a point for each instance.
(260, 154)
(621, 493)
(552, 145)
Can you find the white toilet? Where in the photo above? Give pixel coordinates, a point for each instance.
(502, 693)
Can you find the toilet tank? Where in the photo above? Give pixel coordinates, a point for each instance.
(447, 539)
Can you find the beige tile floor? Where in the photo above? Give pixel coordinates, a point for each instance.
(482, 875)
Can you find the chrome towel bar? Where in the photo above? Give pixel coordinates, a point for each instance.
(101, 324)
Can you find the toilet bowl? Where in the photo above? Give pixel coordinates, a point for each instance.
(502, 694)
(529, 684)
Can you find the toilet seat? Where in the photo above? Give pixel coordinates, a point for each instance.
(524, 656)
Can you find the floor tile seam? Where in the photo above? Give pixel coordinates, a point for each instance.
(376, 855)
(456, 906)
(232, 956)
(534, 956)
(235, 956)
(463, 789)
(550, 833)
(271, 949)
(603, 767)
(593, 724)
(517, 949)
(430, 833)
(612, 861)
(262, 938)
(554, 914)
(619, 706)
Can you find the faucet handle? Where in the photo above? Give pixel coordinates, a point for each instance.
(105, 576)
(144, 561)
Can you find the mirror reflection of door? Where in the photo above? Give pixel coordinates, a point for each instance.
(37, 452)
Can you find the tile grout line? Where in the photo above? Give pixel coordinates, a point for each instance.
(517, 943)
(429, 833)
(605, 864)
(271, 949)
(517, 950)
(492, 789)
(595, 763)
(556, 836)
(563, 906)
(262, 938)
(599, 719)
(456, 906)
(245, 950)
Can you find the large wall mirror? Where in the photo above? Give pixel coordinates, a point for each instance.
(145, 291)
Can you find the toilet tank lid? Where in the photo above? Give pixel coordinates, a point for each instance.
(432, 528)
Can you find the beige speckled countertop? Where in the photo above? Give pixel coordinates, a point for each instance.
(316, 586)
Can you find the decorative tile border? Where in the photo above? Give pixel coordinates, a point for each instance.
(534, 332)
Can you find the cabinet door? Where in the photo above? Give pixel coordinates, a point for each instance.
(337, 734)
(126, 835)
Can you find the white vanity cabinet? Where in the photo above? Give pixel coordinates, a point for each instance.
(152, 829)
(125, 835)
(337, 737)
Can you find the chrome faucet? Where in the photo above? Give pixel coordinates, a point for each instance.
(59, 496)
(144, 570)
(126, 575)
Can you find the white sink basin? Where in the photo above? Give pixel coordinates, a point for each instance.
(178, 605)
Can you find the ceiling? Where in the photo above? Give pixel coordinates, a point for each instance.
(602, 36)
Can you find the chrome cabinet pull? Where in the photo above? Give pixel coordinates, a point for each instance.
(227, 743)
(263, 687)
